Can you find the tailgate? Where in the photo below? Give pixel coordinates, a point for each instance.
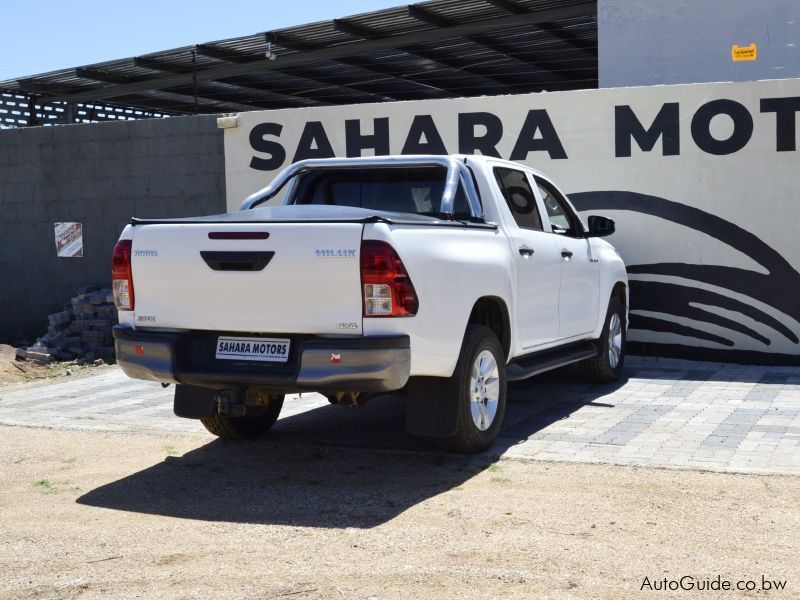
(303, 278)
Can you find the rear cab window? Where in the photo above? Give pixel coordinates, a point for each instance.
(519, 197)
(416, 190)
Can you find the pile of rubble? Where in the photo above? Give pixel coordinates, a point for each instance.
(81, 331)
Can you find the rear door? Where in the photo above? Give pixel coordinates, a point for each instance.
(248, 277)
(578, 304)
(538, 261)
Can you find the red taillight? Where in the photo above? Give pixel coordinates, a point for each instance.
(122, 276)
(387, 288)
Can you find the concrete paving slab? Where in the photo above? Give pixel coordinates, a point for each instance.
(663, 413)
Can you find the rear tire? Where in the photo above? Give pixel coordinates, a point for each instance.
(608, 366)
(254, 424)
(479, 383)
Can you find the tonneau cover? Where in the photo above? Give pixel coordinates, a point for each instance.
(312, 213)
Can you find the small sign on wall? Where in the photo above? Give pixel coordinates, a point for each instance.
(69, 240)
(739, 53)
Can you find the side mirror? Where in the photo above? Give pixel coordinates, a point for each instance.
(600, 226)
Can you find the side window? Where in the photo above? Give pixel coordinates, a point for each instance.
(560, 216)
(519, 197)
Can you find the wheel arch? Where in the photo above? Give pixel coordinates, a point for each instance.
(620, 291)
(492, 312)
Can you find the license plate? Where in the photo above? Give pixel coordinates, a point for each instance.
(258, 349)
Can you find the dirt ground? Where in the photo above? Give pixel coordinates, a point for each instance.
(148, 515)
(16, 371)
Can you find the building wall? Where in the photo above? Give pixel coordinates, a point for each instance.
(652, 42)
(99, 175)
(702, 180)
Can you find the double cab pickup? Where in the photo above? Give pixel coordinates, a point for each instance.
(439, 277)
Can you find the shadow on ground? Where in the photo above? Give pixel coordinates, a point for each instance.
(313, 469)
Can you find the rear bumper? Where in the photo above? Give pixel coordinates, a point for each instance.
(365, 364)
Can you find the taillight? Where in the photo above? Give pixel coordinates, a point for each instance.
(122, 276)
(388, 291)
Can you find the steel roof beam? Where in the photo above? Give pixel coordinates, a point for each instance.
(274, 37)
(355, 86)
(443, 60)
(509, 6)
(426, 16)
(378, 68)
(430, 55)
(158, 65)
(530, 57)
(222, 105)
(202, 96)
(105, 76)
(30, 86)
(241, 57)
(225, 54)
(362, 62)
(307, 94)
(565, 35)
(336, 52)
(355, 30)
(290, 43)
(144, 102)
(553, 29)
(218, 91)
(297, 100)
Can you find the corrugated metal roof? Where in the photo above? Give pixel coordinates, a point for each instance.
(437, 49)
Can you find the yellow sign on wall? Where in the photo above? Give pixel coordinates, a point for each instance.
(744, 52)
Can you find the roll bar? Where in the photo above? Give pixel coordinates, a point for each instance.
(457, 172)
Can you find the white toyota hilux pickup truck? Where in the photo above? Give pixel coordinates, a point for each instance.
(441, 277)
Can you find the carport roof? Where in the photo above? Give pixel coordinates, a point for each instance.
(437, 49)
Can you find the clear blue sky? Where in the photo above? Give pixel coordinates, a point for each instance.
(54, 34)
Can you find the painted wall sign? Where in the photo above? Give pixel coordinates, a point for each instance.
(744, 52)
(69, 240)
(702, 180)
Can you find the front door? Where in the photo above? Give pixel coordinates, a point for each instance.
(578, 305)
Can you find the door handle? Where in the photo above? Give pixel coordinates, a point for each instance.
(566, 253)
(525, 251)
(237, 261)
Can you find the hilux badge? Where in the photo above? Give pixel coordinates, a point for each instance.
(335, 253)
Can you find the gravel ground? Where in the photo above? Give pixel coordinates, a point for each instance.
(147, 515)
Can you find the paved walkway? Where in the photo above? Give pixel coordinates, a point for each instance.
(664, 413)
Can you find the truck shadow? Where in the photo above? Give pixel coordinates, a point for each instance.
(322, 469)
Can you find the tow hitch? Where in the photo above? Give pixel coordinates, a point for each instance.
(230, 403)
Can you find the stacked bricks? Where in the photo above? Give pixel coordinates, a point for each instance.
(81, 331)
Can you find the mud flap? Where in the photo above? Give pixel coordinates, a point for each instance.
(432, 407)
(193, 402)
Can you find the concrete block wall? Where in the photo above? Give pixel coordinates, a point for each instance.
(99, 175)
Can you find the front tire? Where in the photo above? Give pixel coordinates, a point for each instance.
(254, 424)
(479, 383)
(608, 366)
